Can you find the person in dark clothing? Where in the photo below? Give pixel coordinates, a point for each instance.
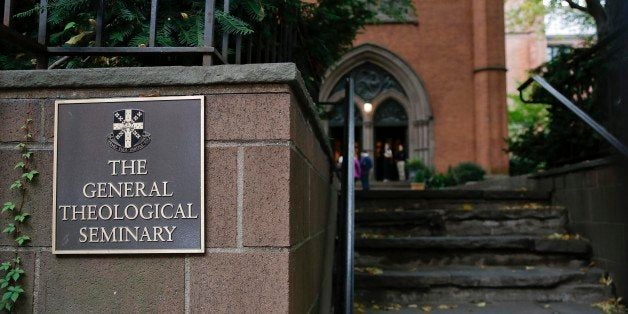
(366, 164)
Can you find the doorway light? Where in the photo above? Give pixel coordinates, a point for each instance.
(368, 107)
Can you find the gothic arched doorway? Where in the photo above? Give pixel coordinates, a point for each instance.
(390, 126)
(380, 77)
(336, 128)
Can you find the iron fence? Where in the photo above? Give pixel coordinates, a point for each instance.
(235, 49)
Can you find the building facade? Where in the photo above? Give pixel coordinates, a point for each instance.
(434, 84)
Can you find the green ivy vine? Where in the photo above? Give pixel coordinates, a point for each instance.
(13, 272)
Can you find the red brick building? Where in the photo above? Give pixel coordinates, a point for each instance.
(435, 83)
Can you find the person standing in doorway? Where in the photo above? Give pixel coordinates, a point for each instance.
(401, 162)
(388, 162)
(357, 172)
(366, 164)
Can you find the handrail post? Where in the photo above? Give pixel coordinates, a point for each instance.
(348, 195)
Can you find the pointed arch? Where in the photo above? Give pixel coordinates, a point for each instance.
(409, 81)
(402, 84)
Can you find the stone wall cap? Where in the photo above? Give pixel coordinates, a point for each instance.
(261, 73)
(581, 166)
(150, 76)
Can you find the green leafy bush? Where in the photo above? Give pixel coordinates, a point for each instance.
(420, 176)
(584, 76)
(439, 181)
(466, 172)
(415, 165)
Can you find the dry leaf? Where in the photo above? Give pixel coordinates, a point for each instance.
(373, 271)
(76, 39)
(481, 304)
(426, 308)
(413, 306)
(611, 306)
(606, 280)
(565, 237)
(394, 307)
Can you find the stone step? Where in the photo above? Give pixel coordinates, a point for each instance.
(476, 284)
(510, 307)
(518, 220)
(446, 199)
(477, 277)
(410, 253)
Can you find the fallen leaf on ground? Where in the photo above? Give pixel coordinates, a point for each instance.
(606, 280)
(426, 308)
(373, 271)
(480, 304)
(611, 306)
(467, 207)
(565, 237)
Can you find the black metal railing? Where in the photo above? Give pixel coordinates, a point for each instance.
(255, 48)
(598, 128)
(343, 282)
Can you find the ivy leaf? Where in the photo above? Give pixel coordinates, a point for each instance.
(17, 260)
(27, 155)
(20, 145)
(69, 25)
(3, 283)
(8, 206)
(30, 175)
(5, 297)
(22, 217)
(16, 185)
(22, 239)
(5, 266)
(15, 296)
(9, 229)
(17, 289)
(15, 274)
(20, 164)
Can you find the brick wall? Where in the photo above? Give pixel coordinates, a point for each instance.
(270, 201)
(457, 49)
(594, 194)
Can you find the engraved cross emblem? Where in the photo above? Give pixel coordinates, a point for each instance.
(131, 126)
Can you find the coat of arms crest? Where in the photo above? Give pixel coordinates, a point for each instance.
(128, 134)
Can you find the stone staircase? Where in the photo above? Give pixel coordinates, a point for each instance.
(471, 251)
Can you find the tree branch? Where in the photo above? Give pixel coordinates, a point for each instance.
(598, 12)
(576, 6)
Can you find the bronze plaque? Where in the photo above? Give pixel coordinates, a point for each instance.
(128, 176)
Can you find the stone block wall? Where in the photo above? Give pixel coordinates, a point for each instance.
(594, 194)
(270, 200)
